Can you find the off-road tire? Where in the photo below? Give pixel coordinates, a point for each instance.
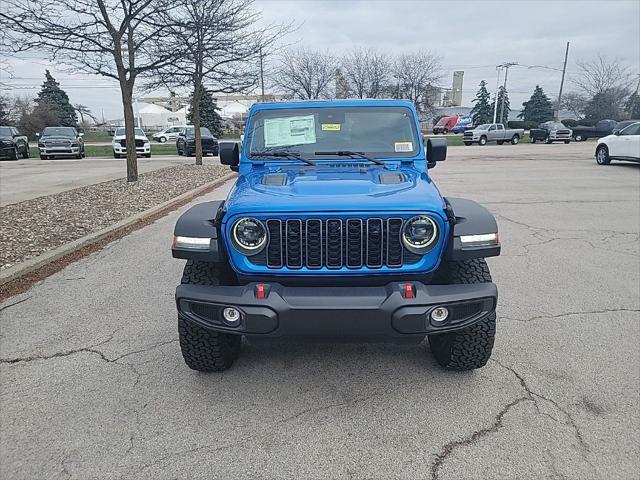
(471, 347)
(602, 155)
(202, 349)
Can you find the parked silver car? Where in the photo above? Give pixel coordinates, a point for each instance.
(169, 133)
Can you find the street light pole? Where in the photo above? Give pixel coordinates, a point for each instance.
(495, 101)
(564, 69)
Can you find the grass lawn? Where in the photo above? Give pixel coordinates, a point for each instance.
(106, 151)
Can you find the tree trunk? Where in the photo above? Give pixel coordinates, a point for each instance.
(130, 135)
(197, 94)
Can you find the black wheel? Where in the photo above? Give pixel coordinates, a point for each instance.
(602, 155)
(188, 153)
(116, 155)
(43, 157)
(471, 347)
(567, 142)
(79, 156)
(162, 139)
(202, 349)
(467, 143)
(445, 131)
(532, 139)
(499, 142)
(483, 141)
(515, 140)
(14, 153)
(26, 152)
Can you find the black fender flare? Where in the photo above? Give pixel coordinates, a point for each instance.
(469, 218)
(200, 221)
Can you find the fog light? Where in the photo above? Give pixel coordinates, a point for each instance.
(439, 314)
(231, 316)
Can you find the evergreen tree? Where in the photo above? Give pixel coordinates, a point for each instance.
(53, 98)
(633, 106)
(538, 108)
(481, 111)
(608, 104)
(502, 115)
(209, 116)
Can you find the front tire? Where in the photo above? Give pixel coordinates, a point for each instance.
(532, 140)
(14, 154)
(567, 142)
(483, 141)
(578, 138)
(602, 155)
(205, 350)
(471, 347)
(467, 144)
(162, 139)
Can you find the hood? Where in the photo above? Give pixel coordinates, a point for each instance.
(334, 187)
(117, 138)
(58, 137)
(6, 137)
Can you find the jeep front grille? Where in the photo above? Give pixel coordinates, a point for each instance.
(334, 243)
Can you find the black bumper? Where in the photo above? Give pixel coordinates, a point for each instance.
(329, 311)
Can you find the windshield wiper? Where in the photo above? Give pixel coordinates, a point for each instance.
(351, 154)
(283, 154)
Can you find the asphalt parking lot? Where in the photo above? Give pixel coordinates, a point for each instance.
(25, 179)
(94, 386)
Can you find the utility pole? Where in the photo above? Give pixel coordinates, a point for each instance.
(495, 101)
(504, 88)
(564, 69)
(261, 76)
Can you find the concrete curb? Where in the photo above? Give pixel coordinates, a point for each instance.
(32, 264)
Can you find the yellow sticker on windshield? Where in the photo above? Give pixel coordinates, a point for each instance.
(404, 147)
(330, 127)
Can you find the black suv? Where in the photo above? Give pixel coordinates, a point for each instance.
(12, 144)
(186, 142)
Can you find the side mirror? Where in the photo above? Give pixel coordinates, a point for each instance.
(230, 155)
(436, 151)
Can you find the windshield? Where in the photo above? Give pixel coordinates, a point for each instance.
(555, 126)
(59, 131)
(120, 132)
(5, 131)
(383, 132)
(190, 131)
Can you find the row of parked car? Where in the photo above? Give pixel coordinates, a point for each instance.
(59, 142)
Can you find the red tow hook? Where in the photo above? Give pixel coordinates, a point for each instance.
(407, 290)
(261, 291)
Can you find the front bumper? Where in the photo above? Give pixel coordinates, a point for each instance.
(329, 311)
(62, 151)
(119, 149)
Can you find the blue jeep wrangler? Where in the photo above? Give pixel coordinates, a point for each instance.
(334, 228)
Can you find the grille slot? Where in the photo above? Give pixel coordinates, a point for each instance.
(334, 243)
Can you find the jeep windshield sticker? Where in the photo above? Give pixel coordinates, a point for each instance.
(404, 147)
(282, 132)
(330, 127)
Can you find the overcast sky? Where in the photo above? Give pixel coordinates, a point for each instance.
(472, 36)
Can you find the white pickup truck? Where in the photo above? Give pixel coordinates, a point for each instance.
(493, 132)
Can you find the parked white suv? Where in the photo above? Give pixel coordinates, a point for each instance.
(169, 133)
(119, 143)
(623, 145)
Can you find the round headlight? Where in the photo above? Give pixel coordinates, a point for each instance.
(249, 236)
(419, 234)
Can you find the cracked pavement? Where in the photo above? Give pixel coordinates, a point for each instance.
(92, 384)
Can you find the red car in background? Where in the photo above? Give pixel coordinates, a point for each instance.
(445, 124)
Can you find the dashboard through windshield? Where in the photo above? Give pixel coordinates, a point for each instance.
(379, 132)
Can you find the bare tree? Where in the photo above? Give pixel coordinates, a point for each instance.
(305, 74)
(602, 74)
(416, 74)
(84, 111)
(367, 71)
(217, 44)
(575, 103)
(117, 39)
